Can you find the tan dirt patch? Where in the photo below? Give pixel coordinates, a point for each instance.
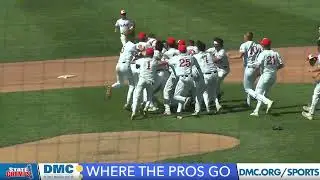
(94, 71)
(121, 146)
(129, 146)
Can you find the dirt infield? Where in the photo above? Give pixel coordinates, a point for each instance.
(40, 75)
(129, 146)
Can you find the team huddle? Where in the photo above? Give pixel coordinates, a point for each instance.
(188, 72)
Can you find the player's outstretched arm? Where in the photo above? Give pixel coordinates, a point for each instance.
(238, 56)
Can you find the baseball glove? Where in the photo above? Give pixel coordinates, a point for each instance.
(312, 60)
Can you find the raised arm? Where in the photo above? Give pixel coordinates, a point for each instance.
(116, 26)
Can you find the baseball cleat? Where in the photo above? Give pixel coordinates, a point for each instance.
(144, 112)
(218, 107)
(306, 108)
(195, 114)
(153, 109)
(186, 102)
(254, 114)
(126, 107)
(269, 105)
(133, 116)
(167, 113)
(179, 117)
(307, 115)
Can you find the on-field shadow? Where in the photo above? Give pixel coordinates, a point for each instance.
(234, 108)
(277, 114)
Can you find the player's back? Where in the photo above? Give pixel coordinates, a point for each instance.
(250, 50)
(205, 61)
(127, 52)
(183, 64)
(170, 53)
(151, 42)
(148, 67)
(192, 50)
(270, 61)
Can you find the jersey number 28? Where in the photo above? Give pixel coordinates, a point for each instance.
(185, 62)
(253, 50)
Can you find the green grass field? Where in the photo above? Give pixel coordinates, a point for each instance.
(68, 111)
(44, 29)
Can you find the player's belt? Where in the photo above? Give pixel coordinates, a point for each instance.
(185, 75)
(213, 72)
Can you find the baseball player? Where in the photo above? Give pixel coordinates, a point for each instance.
(160, 78)
(141, 47)
(172, 80)
(191, 48)
(151, 41)
(182, 65)
(220, 58)
(249, 51)
(123, 69)
(125, 25)
(206, 86)
(310, 110)
(148, 67)
(269, 62)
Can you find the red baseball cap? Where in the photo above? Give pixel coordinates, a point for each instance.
(171, 41)
(181, 42)
(265, 42)
(122, 12)
(149, 51)
(182, 48)
(141, 35)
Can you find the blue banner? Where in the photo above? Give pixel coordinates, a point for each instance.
(19, 171)
(158, 171)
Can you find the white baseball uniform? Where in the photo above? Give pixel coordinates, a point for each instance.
(316, 94)
(123, 68)
(192, 50)
(250, 51)
(269, 62)
(207, 85)
(171, 81)
(222, 63)
(182, 67)
(124, 26)
(148, 67)
(151, 42)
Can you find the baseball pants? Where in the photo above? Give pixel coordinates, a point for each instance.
(249, 77)
(315, 98)
(124, 72)
(185, 84)
(222, 73)
(264, 85)
(206, 90)
(123, 39)
(168, 91)
(141, 85)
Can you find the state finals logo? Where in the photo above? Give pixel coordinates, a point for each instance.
(15, 172)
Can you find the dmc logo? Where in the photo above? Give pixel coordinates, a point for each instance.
(62, 168)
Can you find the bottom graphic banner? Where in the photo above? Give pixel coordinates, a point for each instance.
(159, 171)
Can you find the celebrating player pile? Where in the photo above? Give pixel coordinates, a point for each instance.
(187, 73)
